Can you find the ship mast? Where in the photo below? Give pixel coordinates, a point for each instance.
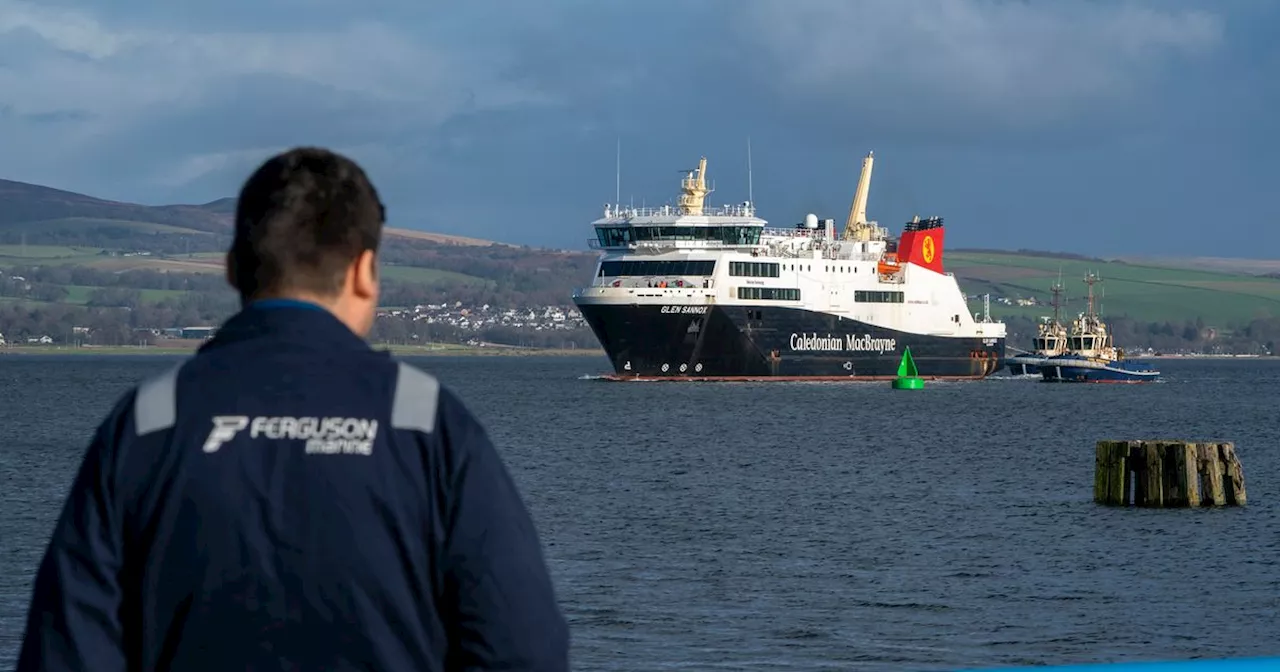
(1089, 279)
(857, 227)
(694, 190)
(1056, 288)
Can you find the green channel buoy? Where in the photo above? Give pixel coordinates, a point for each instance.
(908, 376)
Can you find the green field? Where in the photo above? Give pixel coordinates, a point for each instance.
(27, 254)
(92, 257)
(79, 294)
(200, 262)
(1145, 293)
(96, 223)
(429, 276)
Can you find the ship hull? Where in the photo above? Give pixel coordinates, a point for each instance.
(1078, 370)
(708, 342)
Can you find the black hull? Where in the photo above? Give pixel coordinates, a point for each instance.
(735, 342)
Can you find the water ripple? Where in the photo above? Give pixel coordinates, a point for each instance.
(812, 526)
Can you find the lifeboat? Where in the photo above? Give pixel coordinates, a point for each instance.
(888, 264)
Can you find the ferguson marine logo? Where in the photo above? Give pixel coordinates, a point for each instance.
(225, 428)
(324, 436)
(864, 343)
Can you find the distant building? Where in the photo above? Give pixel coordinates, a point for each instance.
(199, 332)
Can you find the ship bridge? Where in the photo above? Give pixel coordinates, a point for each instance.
(665, 228)
(690, 224)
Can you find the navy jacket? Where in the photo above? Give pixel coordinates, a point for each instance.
(290, 499)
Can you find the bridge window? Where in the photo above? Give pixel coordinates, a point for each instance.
(865, 296)
(615, 236)
(619, 236)
(768, 294)
(1086, 343)
(612, 269)
(754, 269)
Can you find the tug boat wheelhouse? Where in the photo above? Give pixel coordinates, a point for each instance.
(692, 292)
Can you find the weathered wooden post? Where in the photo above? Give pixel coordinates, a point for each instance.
(1210, 469)
(1180, 483)
(1111, 480)
(1233, 481)
(1167, 474)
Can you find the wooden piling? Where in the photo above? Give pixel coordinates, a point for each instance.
(1111, 479)
(1233, 479)
(1210, 468)
(1167, 474)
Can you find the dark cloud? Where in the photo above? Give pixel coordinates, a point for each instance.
(1088, 126)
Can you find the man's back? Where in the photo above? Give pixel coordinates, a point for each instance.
(291, 499)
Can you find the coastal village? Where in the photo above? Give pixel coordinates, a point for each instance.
(454, 315)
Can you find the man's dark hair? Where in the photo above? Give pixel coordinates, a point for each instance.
(301, 219)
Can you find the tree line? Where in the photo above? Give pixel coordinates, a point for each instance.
(1257, 337)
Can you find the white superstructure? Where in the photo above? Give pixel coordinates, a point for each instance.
(692, 255)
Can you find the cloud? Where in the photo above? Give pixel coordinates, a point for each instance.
(980, 65)
(467, 112)
(139, 87)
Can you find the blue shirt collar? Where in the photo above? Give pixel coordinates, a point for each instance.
(272, 304)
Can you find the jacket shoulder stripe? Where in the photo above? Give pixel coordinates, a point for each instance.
(155, 407)
(416, 399)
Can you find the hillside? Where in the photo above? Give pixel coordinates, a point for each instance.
(1143, 292)
(43, 213)
(67, 246)
(64, 245)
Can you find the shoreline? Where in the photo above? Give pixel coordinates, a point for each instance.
(406, 350)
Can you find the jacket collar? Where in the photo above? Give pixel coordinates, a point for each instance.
(306, 324)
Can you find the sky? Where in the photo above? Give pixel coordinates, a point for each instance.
(1088, 126)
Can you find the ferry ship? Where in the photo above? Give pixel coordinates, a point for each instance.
(1050, 340)
(1091, 355)
(694, 292)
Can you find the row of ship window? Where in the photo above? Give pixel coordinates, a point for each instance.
(790, 294)
(749, 269)
(741, 269)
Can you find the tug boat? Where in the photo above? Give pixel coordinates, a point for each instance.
(1091, 356)
(1050, 341)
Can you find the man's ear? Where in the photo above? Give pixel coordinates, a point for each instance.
(365, 271)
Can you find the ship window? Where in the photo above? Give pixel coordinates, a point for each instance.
(768, 294)
(754, 269)
(615, 236)
(726, 235)
(1080, 343)
(611, 269)
(866, 296)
